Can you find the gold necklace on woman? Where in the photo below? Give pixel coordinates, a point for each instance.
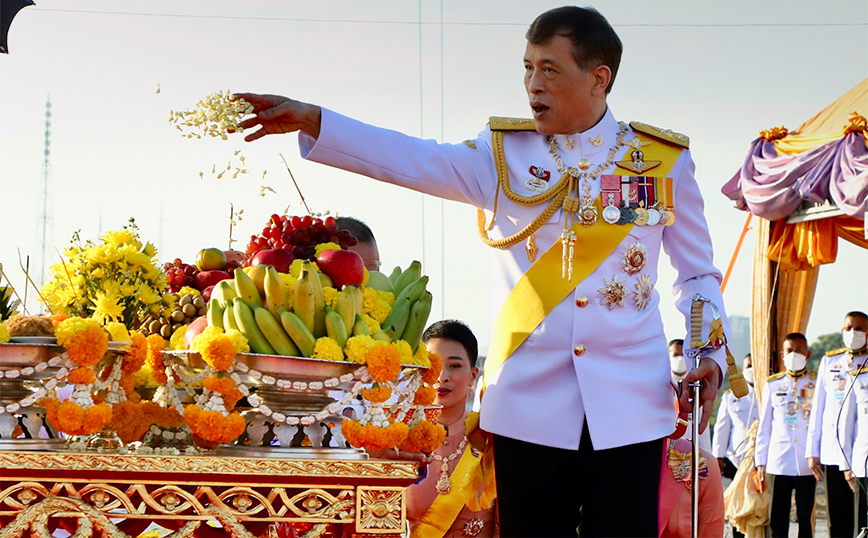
(444, 485)
(587, 211)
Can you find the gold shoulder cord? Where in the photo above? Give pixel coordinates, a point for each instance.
(558, 192)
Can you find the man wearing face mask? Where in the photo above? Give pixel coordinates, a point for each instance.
(734, 419)
(826, 430)
(782, 437)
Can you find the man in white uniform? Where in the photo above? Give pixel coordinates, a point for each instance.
(854, 424)
(578, 206)
(824, 448)
(735, 416)
(782, 435)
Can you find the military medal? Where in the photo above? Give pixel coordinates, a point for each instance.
(539, 180)
(637, 162)
(613, 292)
(610, 195)
(641, 216)
(611, 214)
(634, 258)
(644, 288)
(653, 217)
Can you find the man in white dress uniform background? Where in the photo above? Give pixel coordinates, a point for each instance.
(578, 395)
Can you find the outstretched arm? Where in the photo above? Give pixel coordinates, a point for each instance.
(276, 114)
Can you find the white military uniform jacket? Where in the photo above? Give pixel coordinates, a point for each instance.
(855, 424)
(546, 390)
(735, 416)
(823, 431)
(785, 410)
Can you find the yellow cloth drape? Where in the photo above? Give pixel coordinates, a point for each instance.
(804, 245)
(795, 144)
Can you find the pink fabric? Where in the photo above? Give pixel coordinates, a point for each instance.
(772, 186)
(674, 517)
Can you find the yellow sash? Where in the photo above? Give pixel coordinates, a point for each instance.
(445, 508)
(541, 288)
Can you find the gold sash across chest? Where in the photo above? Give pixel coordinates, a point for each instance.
(541, 288)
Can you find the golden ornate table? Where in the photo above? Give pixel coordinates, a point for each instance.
(115, 495)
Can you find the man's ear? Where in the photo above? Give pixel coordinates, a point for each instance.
(602, 77)
(809, 354)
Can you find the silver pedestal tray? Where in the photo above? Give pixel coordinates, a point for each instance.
(265, 437)
(37, 433)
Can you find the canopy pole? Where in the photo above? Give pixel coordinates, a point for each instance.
(737, 249)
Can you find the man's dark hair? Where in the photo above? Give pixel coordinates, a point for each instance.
(678, 341)
(796, 336)
(595, 43)
(452, 329)
(359, 229)
(857, 314)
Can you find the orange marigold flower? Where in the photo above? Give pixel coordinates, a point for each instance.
(164, 417)
(154, 358)
(231, 398)
(84, 339)
(353, 432)
(128, 420)
(424, 396)
(424, 437)
(96, 418)
(82, 376)
(221, 385)
(217, 350)
(432, 374)
(70, 416)
(57, 318)
(384, 362)
(377, 394)
(136, 354)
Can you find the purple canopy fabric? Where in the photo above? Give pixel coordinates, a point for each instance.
(772, 186)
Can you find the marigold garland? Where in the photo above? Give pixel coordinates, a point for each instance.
(73, 419)
(137, 353)
(377, 394)
(128, 420)
(424, 396)
(118, 331)
(164, 417)
(154, 358)
(216, 348)
(384, 362)
(373, 437)
(221, 385)
(213, 426)
(432, 374)
(81, 376)
(405, 352)
(84, 339)
(423, 437)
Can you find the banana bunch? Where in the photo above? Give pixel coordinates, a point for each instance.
(273, 328)
(412, 305)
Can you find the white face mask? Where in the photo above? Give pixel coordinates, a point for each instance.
(678, 364)
(795, 362)
(854, 339)
(748, 375)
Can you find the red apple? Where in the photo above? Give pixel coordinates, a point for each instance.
(342, 266)
(206, 293)
(196, 326)
(280, 258)
(209, 278)
(236, 256)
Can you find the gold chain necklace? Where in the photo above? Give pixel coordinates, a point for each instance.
(444, 485)
(587, 210)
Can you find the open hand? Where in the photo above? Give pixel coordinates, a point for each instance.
(277, 114)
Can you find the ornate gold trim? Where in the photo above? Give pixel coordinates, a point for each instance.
(380, 509)
(207, 465)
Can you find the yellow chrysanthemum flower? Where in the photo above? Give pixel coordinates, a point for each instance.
(121, 237)
(326, 246)
(421, 356)
(239, 340)
(118, 331)
(4, 333)
(326, 348)
(107, 307)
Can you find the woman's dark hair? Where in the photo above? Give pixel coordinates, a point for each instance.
(452, 329)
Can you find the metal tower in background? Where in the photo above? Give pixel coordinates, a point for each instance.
(45, 227)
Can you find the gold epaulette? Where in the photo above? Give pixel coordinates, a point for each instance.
(727, 391)
(498, 123)
(775, 376)
(663, 134)
(812, 374)
(836, 351)
(863, 370)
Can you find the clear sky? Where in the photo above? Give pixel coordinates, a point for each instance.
(718, 72)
